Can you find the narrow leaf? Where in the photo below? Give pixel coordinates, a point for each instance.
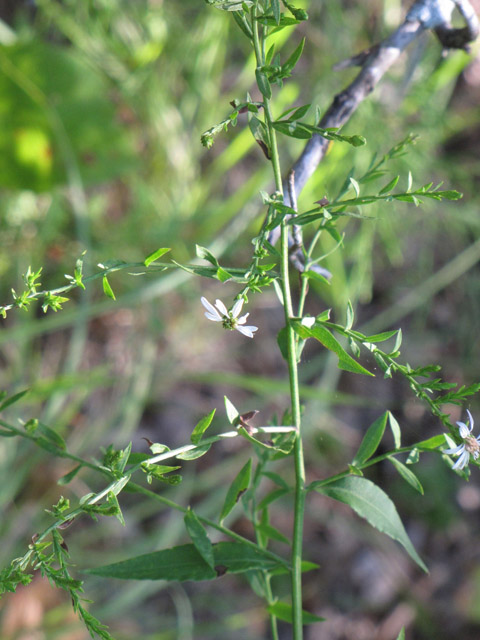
(153, 256)
(276, 478)
(283, 611)
(68, 477)
(276, 10)
(388, 187)
(371, 503)
(204, 253)
(395, 427)
(201, 427)
(107, 289)
(271, 532)
(232, 413)
(185, 563)
(407, 474)
(289, 65)
(199, 537)
(371, 440)
(323, 335)
(271, 497)
(236, 489)
(198, 452)
(12, 399)
(263, 84)
(401, 635)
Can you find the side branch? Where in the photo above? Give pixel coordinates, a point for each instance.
(423, 15)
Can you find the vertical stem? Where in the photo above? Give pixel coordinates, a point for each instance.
(297, 541)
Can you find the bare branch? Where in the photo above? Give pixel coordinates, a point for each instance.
(423, 15)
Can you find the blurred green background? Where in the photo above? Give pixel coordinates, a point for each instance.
(102, 104)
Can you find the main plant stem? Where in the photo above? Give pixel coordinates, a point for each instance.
(297, 541)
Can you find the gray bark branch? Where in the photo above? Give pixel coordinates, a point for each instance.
(424, 15)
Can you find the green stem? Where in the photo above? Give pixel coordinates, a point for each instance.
(292, 366)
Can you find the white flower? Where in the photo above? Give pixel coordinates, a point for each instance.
(470, 447)
(230, 319)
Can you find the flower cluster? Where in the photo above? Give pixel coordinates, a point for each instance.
(470, 446)
(229, 319)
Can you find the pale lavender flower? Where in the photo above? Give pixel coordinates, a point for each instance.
(229, 319)
(470, 446)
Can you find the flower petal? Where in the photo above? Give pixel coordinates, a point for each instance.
(456, 451)
(471, 419)
(464, 430)
(212, 312)
(221, 307)
(243, 319)
(210, 316)
(237, 307)
(247, 331)
(463, 460)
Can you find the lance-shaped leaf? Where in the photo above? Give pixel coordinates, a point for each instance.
(236, 489)
(407, 474)
(12, 399)
(185, 563)
(201, 427)
(199, 537)
(371, 440)
(371, 503)
(283, 611)
(323, 335)
(155, 255)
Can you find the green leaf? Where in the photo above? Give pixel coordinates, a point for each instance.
(388, 187)
(355, 185)
(401, 635)
(407, 474)
(244, 433)
(260, 133)
(52, 436)
(107, 289)
(381, 337)
(313, 275)
(198, 452)
(271, 497)
(236, 489)
(153, 256)
(199, 537)
(223, 275)
(273, 533)
(395, 427)
(289, 65)
(413, 456)
(277, 479)
(323, 335)
(292, 129)
(68, 477)
(232, 413)
(371, 503)
(12, 399)
(298, 112)
(276, 10)
(201, 427)
(371, 440)
(431, 443)
(204, 253)
(185, 563)
(263, 84)
(283, 611)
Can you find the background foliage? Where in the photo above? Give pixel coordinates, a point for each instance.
(102, 105)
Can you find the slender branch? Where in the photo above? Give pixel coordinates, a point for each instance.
(375, 62)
